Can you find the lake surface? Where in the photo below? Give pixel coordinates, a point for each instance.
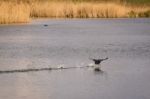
(70, 43)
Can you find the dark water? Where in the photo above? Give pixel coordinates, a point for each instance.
(71, 43)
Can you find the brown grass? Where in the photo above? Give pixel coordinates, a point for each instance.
(78, 10)
(11, 12)
(84, 10)
(14, 13)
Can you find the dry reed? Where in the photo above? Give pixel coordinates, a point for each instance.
(78, 10)
(14, 13)
(21, 12)
(85, 10)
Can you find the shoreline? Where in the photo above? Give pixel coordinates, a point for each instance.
(63, 19)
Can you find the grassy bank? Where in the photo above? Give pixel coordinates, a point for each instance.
(15, 11)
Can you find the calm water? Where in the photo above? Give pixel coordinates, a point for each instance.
(71, 43)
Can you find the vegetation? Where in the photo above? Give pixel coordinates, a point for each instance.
(138, 2)
(124, 1)
(14, 11)
(79, 10)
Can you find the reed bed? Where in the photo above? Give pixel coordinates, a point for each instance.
(87, 10)
(78, 10)
(14, 12)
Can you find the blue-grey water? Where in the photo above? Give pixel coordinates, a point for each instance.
(70, 43)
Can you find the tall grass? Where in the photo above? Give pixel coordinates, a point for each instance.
(138, 2)
(87, 10)
(78, 10)
(14, 13)
(18, 11)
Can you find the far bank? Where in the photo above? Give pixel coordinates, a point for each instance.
(22, 12)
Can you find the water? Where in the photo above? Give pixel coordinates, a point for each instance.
(70, 43)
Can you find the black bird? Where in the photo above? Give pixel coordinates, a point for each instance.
(97, 63)
(45, 25)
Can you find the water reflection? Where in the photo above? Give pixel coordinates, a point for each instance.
(101, 73)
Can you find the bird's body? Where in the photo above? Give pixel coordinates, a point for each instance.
(45, 25)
